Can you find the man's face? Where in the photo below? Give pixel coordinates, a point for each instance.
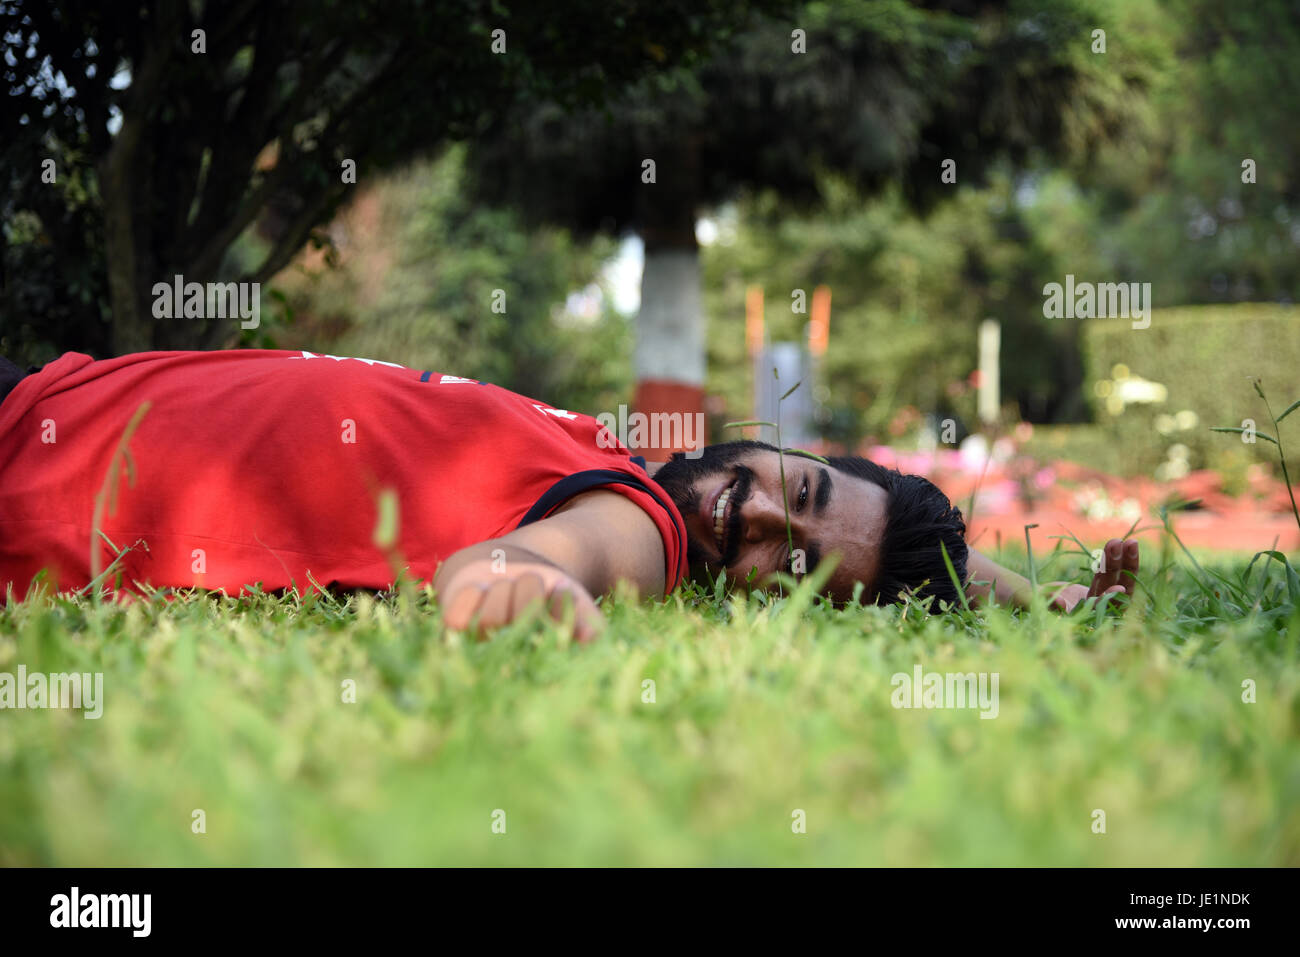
(731, 501)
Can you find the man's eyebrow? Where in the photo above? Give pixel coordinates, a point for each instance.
(823, 495)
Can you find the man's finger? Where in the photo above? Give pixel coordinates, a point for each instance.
(1067, 596)
(1109, 575)
(496, 603)
(464, 605)
(1130, 566)
(529, 591)
(565, 604)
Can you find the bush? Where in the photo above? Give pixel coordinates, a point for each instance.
(1204, 357)
(419, 264)
(1090, 445)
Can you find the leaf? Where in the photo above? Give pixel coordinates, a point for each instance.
(1292, 578)
(952, 573)
(1289, 409)
(1263, 435)
(807, 455)
(1029, 552)
(385, 535)
(741, 425)
(786, 394)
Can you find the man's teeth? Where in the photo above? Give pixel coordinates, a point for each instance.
(719, 512)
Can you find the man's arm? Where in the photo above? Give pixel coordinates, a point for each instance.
(987, 577)
(1117, 575)
(591, 543)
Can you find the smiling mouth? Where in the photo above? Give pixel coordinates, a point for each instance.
(720, 517)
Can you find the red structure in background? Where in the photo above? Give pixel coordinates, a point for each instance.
(665, 396)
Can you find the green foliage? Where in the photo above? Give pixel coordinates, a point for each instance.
(884, 90)
(53, 291)
(422, 287)
(175, 156)
(908, 293)
(1091, 445)
(1173, 209)
(1158, 199)
(1276, 439)
(1206, 357)
(760, 707)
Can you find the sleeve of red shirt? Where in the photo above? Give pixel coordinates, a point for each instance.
(672, 531)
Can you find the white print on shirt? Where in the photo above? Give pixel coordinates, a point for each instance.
(369, 362)
(558, 413)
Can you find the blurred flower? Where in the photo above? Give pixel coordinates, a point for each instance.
(1176, 466)
(907, 417)
(1091, 501)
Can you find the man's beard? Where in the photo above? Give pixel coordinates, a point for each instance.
(681, 479)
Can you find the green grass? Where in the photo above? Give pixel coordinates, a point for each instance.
(761, 708)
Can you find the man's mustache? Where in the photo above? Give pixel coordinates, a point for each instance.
(740, 493)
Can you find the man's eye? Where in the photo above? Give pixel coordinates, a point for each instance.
(803, 493)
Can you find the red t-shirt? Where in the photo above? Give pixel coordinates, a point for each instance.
(267, 466)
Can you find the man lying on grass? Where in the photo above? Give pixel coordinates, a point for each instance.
(221, 470)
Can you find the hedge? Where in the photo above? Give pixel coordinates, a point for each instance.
(1205, 357)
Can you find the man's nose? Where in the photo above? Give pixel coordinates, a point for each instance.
(764, 517)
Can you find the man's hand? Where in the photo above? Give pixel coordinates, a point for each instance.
(593, 542)
(487, 593)
(1118, 573)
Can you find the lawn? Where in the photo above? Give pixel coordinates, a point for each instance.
(528, 749)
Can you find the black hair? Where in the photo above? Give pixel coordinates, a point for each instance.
(919, 518)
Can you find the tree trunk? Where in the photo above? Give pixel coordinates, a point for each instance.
(131, 329)
(669, 358)
(128, 260)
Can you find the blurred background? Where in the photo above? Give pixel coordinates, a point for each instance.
(648, 206)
